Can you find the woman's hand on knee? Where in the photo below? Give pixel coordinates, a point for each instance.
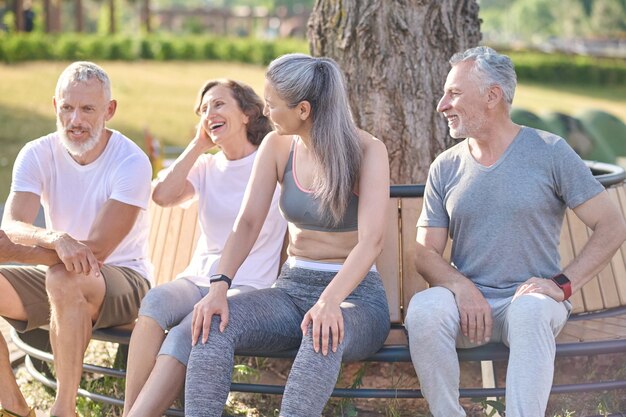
(214, 303)
(326, 320)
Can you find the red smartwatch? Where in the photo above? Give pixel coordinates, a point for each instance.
(564, 284)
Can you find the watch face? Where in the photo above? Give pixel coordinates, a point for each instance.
(561, 279)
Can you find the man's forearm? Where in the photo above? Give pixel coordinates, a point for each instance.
(30, 255)
(437, 271)
(31, 235)
(595, 255)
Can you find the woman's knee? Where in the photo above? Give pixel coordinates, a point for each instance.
(166, 306)
(153, 300)
(365, 330)
(178, 343)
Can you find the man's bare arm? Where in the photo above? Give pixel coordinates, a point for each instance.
(603, 217)
(112, 224)
(474, 311)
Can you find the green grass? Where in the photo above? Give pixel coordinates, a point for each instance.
(159, 96)
(571, 99)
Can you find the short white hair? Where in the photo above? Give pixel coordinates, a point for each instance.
(491, 68)
(84, 71)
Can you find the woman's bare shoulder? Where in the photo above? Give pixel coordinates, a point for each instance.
(277, 142)
(370, 143)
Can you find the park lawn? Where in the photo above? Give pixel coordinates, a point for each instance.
(160, 96)
(571, 99)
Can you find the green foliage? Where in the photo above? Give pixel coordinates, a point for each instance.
(494, 406)
(245, 373)
(566, 413)
(70, 47)
(540, 20)
(561, 68)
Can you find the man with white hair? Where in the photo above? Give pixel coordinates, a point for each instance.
(88, 268)
(501, 195)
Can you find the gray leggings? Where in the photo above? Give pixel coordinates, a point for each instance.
(269, 320)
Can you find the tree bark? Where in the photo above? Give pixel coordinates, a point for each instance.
(18, 13)
(394, 54)
(78, 16)
(145, 15)
(52, 16)
(47, 16)
(112, 13)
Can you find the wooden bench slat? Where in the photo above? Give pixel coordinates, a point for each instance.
(161, 244)
(170, 247)
(388, 263)
(566, 250)
(155, 211)
(621, 196)
(189, 227)
(412, 282)
(591, 293)
(618, 262)
(619, 321)
(596, 329)
(197, 233)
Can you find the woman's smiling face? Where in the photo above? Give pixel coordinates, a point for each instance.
(221, 116)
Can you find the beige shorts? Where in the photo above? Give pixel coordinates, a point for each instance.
(125, 288)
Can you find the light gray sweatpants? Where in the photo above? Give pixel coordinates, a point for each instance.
(527, 325)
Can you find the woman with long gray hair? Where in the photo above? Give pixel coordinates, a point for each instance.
(329, 300)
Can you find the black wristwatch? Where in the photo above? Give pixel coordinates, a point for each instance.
(564, 284)
(220, 277)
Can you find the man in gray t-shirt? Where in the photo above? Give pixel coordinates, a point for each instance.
(501, 195)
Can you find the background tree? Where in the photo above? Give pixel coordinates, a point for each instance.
(395, 58)
(607, 18)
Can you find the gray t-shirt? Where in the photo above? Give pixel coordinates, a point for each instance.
(505, 220)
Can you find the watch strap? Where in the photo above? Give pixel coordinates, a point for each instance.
(564, 284)
(219, 278)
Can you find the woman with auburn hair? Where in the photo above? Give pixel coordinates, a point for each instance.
(231, 119)
(329, 300)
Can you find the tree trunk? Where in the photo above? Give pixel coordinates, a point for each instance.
(111, 17)
(18, 13)
(52, 14)
(47, 16)
(394, 54)
(145, 15)
(78, 15)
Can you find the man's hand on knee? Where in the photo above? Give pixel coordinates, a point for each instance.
(475, 314)
(76, 256)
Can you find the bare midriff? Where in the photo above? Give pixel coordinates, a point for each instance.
(313, 245)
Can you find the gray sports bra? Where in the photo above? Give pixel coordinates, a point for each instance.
(300, 208)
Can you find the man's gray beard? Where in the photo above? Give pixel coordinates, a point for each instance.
(78, 149)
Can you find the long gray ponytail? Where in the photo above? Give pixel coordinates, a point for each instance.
(334, 137)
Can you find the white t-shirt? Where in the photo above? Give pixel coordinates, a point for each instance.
(73, 194)
(220, 185)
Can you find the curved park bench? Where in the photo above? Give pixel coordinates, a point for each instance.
(597, 325)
